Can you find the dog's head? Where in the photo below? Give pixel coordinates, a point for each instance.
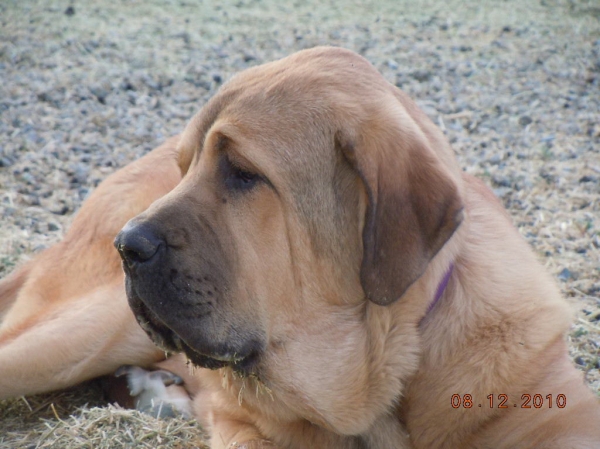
(313, 188)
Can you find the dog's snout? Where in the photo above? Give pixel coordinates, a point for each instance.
(137, 244)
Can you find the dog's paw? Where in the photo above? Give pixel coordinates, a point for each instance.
(158, 393)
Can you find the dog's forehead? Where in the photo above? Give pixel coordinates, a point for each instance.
(299, 101)
(303, 86)
(292, 108)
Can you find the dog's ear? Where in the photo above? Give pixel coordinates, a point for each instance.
(413, 205)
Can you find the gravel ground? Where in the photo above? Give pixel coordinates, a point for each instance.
(88, 86)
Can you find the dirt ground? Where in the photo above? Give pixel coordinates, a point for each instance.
(88, 86)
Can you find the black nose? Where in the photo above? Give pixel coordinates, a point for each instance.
(137, 244)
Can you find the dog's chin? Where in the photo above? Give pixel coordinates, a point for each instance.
(245, 364)
(158, 332)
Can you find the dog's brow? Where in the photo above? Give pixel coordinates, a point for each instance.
(228, 144)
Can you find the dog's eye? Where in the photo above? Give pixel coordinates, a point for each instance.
(237, 178)
(241, 179)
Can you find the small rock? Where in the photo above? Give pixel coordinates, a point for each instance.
(392, 64)
(199, 82)
(185, 36)
(501, 181)
(32, 200)
(80, 174)
(495, 159)
(83, 193)
(182, 98)
(100, 93)
(565, 275)
(70, 11)
(127, 85)
(53, 227)
(501, 192)
(525, 120)
(548, 140)
(421, 75)
(61, 211)
(28, 178)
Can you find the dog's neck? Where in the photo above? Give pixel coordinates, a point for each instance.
(439, 291)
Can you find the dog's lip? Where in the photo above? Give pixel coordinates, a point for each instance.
(243, 364)
(169, 341)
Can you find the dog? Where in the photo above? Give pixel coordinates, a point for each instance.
(337, 257)
(335, 278)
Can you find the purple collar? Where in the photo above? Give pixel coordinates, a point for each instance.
(440, 290)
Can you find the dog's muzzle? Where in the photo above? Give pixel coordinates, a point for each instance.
(161, 311)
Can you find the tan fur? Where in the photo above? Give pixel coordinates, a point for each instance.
(334, 263)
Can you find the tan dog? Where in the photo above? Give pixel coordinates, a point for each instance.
(326, 252)
(353, 287)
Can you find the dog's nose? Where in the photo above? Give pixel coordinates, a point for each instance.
(137, 244)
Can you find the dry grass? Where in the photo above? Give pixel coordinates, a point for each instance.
(80, 418)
